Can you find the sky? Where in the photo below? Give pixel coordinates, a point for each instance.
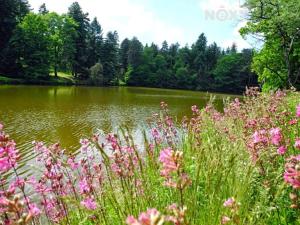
(150, 21)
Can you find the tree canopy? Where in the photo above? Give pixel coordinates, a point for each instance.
(276, 24)
(37, 44)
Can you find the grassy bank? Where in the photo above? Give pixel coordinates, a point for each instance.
(237, 167)
(62, 79)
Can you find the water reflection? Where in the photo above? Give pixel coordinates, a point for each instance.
(65, 114)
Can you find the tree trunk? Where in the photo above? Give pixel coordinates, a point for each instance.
(55, 62)
(55, 70)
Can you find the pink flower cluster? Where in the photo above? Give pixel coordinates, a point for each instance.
(154, 217)
(150, 217)
(276, 136)
(8, 152)
(297, 143)
(13, 205)
(264, 138)
(231, 204)
(89, 203)
(172, 168)
(292, 172)
(171, 161)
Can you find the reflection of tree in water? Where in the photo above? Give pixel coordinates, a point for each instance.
(66, 114)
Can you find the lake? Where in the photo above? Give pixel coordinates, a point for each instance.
(66, 114)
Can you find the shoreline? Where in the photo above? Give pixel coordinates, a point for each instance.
(63, 81)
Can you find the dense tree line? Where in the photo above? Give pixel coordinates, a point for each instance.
(35, 44)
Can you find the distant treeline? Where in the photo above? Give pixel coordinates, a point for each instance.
(34, 44)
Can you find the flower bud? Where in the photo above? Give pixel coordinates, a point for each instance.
(20, 221)
(293, 196)
(16, 198)
(24, 215)
(294, 206)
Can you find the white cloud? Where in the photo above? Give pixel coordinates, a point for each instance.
(229, 13)
(216, 4)
(236, 38)
(128, 18)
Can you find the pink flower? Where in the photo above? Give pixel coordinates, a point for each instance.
(8, 153)
(195, 109)
(297, 143)
(85, 143)
(84, 186)
(167, 158)
(3, 201)
(155, 134)
(298, 111)
(229, 203)
(1, 126)
(132, 221)
(292, 122)
(34, 210)
(292, 173)
(225, 219)
(151, 217)
(89, 203)
(281, 150)
(259, 137)
(71, 162)
(276, 136)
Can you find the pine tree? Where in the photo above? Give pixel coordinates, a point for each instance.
(43, 9)
(109, 58)
(95, 41)
(12, 12)
(123, 55)
(80, 65)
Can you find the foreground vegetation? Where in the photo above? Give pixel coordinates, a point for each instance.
(236, 167)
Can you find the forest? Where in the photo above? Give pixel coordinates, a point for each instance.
(36, 47)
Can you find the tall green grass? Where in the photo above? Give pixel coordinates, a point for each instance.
(217, 160)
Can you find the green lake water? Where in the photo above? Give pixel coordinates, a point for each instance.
(66, 114)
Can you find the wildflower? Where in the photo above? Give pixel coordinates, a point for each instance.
(85, 144)
(225, 219)
(71, 162)
(124, 161)
(84, 186)
(292, 172)
(259, 137)
(229, 203)
(168, 159)
(34, 210)
(8, 153)
(178, 214)
(132, 221)
(1, 126)
(293, 122)
(155, 134)
(276, 136)
(89, 203)
(297, 143)
(195, 109)
(281, 150)
(298, 111)
(151, 217)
